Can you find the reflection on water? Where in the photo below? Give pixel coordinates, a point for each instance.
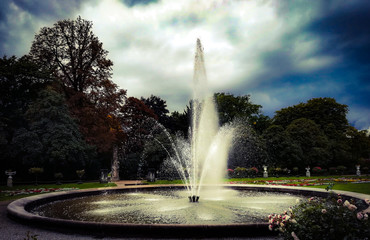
(170, 207)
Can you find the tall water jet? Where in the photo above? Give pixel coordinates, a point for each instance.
(209, 143)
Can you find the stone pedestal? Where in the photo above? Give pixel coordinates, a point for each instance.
(9, 182)
(308, 174)
(358, 172)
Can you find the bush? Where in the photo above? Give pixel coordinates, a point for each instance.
(341, 169)
(252, 172)
(240, 172)
(331, 218)
(333, 170)
(317, 170)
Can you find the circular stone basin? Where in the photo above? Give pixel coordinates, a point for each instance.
(225, 206)
(162, 211)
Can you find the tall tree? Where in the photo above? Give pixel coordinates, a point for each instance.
(77, 59)
(74, 54)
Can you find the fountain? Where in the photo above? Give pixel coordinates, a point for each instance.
(203, 159)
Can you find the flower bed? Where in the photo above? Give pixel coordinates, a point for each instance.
(315, 218)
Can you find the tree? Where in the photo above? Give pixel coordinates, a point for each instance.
(74, 54)
(230, 108)
(20, 81)
(159, 108)
(77, 59)
(248, 149)
(282, 150)
(312, 142)
(323, 111)
(359, 143)
(63, 147)
(180, 122)
(137, 123)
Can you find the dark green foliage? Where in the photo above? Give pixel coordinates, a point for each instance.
(323, 111)
(230, 107)
(156, 149)
(159, 108)
(323, 139)
(312, 142)
(248, 149)
(20, 81)
(180, 121)
(63, 147)
(282, 150)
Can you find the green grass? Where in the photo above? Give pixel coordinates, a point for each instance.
(165, 182)
(352, 187)
(338, 183)
(6, 197)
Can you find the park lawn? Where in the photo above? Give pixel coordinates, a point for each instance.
(6, 196)
(352, 187)
(340, 182)
(178, 181)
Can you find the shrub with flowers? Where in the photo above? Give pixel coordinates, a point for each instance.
(316, 218)
(317, 170)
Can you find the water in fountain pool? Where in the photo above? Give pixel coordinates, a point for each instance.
(170, 207)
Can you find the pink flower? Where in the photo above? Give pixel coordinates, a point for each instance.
(271, 227)
(294, 236)
(360, 216)
(339, 201)
(323, 211)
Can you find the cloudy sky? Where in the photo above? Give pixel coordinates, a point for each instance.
(280, 52)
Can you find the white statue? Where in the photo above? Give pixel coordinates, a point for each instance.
(265, 174)
(308, 174)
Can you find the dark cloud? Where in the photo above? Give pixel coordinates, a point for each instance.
(132, 3)
(346, 32)
(50, 8)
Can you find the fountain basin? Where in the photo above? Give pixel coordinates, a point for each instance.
(21, 210)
